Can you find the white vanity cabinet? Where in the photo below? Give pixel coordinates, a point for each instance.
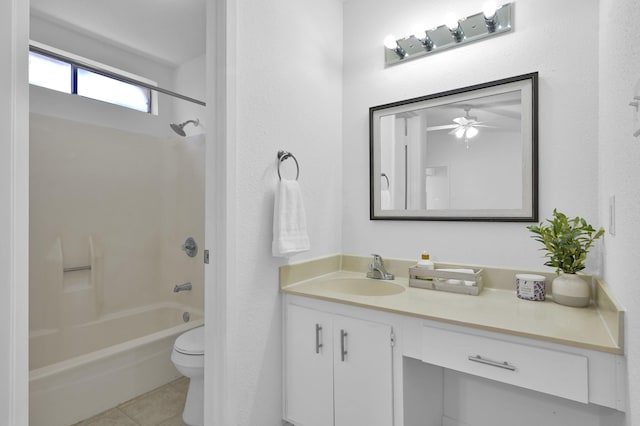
(338, 369)
(457, 360)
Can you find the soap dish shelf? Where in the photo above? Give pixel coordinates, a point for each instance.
(442, 280)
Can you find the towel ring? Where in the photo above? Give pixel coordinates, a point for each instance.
(384, 175)
(283, 155)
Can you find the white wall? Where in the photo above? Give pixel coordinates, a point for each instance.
(568, 119)
(619, 175)
(87, 46)
(476, 180)
(189, 80)
(288, 70)
(57, 104)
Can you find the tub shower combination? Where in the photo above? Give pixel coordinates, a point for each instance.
(82, 368)
(108, 275)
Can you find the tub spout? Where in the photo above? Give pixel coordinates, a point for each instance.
(182, 287)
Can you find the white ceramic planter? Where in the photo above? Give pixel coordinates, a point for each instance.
(571, 290)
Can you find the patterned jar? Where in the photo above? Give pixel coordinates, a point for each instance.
(530, 287)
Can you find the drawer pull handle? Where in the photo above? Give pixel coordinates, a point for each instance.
(343, 345)
(318, 334)
(505, 364)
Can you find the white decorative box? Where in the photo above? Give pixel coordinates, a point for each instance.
(465, 281)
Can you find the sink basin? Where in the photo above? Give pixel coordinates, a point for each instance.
(362, 286)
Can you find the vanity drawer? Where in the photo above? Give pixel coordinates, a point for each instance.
(557, 373)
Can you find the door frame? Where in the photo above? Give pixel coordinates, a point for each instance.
(14, 212)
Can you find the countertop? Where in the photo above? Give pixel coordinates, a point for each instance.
(494, 309)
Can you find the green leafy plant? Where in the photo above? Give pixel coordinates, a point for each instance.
(566, 240)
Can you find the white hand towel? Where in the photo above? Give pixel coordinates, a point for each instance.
(289, 221)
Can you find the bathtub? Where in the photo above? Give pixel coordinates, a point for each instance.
(83, 370)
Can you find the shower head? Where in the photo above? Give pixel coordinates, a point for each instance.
(179, 128)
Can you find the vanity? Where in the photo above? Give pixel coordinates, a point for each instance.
(360, 351)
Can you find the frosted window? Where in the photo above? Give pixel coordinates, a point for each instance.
(50, 73)
(107, 89)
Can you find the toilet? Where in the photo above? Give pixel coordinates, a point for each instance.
(188, 357)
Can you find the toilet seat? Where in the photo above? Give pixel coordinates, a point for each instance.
(190, 342)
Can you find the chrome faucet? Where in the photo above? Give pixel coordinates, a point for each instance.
(182, 287)
(377, 270)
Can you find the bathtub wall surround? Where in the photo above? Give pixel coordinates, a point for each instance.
(120, 202)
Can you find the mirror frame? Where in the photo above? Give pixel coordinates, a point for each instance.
(529, 212)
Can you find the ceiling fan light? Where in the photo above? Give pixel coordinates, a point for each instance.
(472, 132)
(460, 132)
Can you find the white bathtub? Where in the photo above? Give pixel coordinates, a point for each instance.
(86, 369)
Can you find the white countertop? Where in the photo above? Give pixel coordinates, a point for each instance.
(493, 309)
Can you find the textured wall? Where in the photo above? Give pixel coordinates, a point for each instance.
(568, 119)
(619, 154)
(288, 75)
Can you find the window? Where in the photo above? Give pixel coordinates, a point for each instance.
(65, 73)
(50, 73)
(107, 89)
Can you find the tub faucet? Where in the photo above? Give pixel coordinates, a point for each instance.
(377, 270)
(182, 287)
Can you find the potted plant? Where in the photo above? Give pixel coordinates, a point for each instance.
(567, 242)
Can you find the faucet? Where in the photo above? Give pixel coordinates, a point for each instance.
(182, 287)
(377, 270)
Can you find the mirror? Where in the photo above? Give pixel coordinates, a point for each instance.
(467, 154)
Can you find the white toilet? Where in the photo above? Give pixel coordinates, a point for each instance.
(188, 357)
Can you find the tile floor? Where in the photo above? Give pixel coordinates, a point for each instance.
(160, 407)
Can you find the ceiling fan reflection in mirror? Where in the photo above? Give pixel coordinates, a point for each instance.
(464, 128)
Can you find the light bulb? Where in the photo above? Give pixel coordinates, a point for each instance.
(418, 32)
(451, 21)
(390, 42)
(471, 132)
(460, 132)
(489, 9)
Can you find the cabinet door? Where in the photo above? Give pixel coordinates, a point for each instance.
(308, 367)
(362, 373)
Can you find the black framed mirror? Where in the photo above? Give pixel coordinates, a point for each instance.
(469, 154)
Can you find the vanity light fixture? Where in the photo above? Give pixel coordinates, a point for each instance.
(493, 20)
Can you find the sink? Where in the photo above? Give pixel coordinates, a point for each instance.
(362, 286)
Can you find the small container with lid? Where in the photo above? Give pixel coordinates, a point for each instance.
(530, 287)
(425, 261)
